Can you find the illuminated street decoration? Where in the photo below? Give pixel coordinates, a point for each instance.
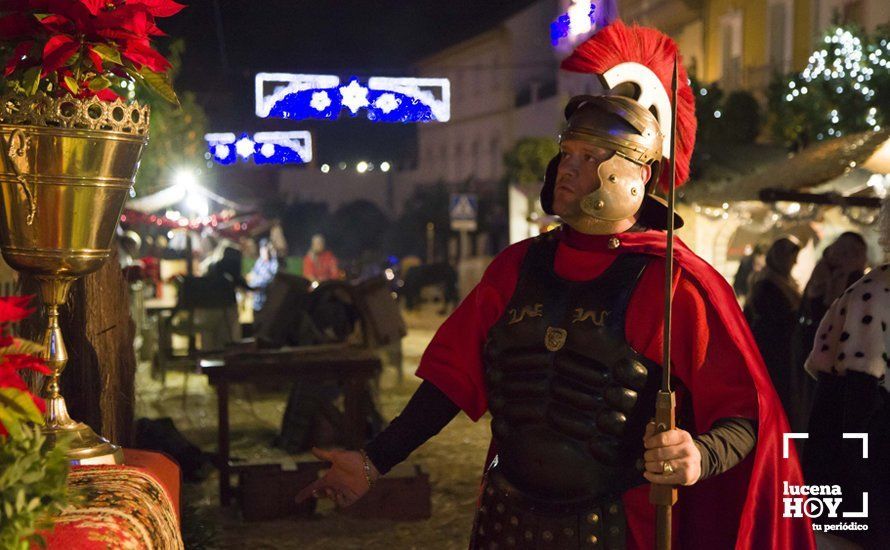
(263, 147)
(582, 18)
(383, 99)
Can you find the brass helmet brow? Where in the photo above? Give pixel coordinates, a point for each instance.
(615, 123)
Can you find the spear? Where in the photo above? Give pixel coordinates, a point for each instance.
(664, 496)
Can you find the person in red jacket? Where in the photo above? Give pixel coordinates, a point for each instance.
(319, 264)
(561, 342)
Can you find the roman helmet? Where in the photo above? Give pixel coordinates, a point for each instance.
(632, 118)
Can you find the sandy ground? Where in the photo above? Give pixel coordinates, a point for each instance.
(453, 460)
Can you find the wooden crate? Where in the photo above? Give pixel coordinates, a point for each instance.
(402, 495)
(268, 491)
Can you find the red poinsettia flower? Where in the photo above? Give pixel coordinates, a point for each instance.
(15, 308)
(157, 8)
(75, 41)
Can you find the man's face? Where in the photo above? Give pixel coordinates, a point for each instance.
(576, 176)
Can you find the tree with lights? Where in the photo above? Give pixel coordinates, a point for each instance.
(844, 88)
(177, 134)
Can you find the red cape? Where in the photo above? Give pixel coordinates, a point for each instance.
(760, 525)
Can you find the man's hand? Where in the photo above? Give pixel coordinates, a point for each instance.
(345, 482)
(676, 448)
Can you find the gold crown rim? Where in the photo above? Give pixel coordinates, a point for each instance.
(69, 112)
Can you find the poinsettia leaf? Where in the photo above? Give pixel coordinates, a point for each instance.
(99, 83)
(72, 85)
(57, 51)
(108, 53)
(30, 82)
(158, 83)
(16, 408)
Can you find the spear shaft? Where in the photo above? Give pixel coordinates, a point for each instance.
(664, 496)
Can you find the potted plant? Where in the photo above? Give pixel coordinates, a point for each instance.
(70, 145)
(32, 473)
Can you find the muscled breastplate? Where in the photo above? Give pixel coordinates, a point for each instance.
(569, 397)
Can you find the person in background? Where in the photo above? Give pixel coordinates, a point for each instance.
(849, 358)
(320, 264)
(771, 310)
(263, 272)
(842, 264)
(752, 263)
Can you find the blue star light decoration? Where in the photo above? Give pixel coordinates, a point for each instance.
(382, 99)
(262, 148)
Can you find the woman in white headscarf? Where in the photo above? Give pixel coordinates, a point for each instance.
(850, 361)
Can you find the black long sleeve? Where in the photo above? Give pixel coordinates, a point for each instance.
(428, 411)
(726, 444)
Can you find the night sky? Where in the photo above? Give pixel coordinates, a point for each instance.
(229, 41)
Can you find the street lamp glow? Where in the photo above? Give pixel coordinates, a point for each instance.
(384, 166)
(185, 178)
(325, 168)
(361, 167)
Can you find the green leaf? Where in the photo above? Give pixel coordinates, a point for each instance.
(99, 83)
(158, 83)
(72, 84)
(17, 407)
(107, 53)
(31, 80)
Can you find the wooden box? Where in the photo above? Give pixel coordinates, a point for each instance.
(269, 491)
(401, 495)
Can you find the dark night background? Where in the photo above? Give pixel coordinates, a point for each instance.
(229, 41)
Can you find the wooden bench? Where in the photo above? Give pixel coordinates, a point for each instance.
(352, 367)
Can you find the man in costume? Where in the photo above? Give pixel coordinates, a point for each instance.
(561, 341)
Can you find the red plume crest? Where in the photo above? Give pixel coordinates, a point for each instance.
(618, 43)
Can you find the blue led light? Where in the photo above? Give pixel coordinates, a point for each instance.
(262, 148)
(325, 97)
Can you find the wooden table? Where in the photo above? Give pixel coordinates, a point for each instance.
(350, 366)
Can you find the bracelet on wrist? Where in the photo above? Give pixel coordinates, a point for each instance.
(366, 465)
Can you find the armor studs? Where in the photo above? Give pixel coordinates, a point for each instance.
(489, 491)
(613, 509)
(483, 509)
(498, 527)
(613, 178)
(611, 422)
(605, 450)
(547, 536)
(631, 374)
(598, 205)
(514, 521)
(622, 399)
(568, 531)
(528, 535)
(593, 540)
(614, 243)
(500, 508)
(613, 530)
(593, 518)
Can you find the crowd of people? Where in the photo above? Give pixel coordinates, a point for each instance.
(826, 351)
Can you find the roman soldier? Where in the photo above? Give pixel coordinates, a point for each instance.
(562, 342)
